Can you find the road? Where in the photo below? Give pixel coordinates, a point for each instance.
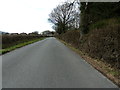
(49, 64)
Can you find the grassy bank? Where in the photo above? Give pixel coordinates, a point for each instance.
(100, 44)
(3, 51)
(103, 67)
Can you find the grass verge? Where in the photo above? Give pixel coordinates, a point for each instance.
(112, 73)
(3, 51)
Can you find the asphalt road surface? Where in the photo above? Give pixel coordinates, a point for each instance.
(49, 64)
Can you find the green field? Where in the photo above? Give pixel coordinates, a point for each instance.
(2, 51)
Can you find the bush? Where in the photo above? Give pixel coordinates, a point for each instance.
(101, 43)
(72, 37)
(10, 40)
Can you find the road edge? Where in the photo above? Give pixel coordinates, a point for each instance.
(92, 62)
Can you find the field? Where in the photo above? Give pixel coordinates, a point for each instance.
(11, 42)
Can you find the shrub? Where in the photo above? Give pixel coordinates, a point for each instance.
(10, 40)
(101, 42)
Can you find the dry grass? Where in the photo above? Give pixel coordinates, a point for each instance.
(100, 47)
(103, 67)
(99, 43)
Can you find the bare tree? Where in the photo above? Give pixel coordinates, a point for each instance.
(62, 17)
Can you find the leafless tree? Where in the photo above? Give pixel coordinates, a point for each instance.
(62, 16)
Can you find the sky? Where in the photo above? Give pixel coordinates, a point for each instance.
(17, 16)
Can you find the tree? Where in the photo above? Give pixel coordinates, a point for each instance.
(92, 12)
(35, 32)
(62, 17)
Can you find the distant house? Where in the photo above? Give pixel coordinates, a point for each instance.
(34, 33)
(31, 34)
(23, 33)
(47, 33)
(14, 34)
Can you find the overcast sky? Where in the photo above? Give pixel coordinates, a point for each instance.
(17, 16)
